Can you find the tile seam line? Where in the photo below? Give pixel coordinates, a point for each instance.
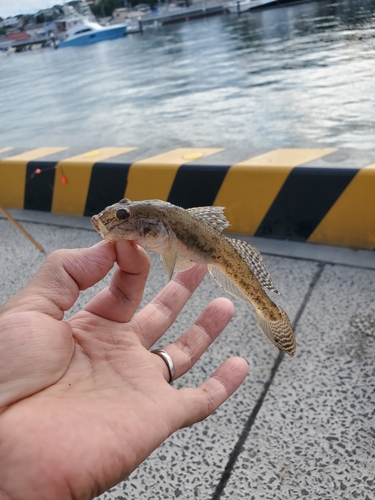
(252, 417)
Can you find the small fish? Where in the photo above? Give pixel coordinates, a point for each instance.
(184, 237)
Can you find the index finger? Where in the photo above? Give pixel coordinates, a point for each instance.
(119, 301)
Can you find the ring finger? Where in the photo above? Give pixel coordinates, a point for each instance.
(188, 348)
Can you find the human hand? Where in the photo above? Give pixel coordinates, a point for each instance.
(83, 402)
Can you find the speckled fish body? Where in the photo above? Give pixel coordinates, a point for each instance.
(184, 237)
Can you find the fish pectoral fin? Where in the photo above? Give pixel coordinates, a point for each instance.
(183, 263)
(279, 333)
(226, 283)
(214, 216)
(254, 260)
(169, 257)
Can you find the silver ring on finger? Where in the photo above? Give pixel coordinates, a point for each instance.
(168, 361)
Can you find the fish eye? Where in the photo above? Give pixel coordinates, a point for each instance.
(122, 214)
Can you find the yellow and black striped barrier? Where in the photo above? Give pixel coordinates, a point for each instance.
(316, 195)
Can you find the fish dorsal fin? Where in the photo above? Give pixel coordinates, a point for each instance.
(225, 282)
(169, 257)
(254, 260)
(214, 216)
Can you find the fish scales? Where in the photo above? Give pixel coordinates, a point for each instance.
(193, 240)
(184, 237)
(247, 283)
(222, 253)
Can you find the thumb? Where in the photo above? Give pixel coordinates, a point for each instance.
(56, 286)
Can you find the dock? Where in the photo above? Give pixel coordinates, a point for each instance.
(30, 43)
(173, 15)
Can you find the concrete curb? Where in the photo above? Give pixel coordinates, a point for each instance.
(316, 195)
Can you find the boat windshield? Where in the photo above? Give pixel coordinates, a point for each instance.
(83, 31)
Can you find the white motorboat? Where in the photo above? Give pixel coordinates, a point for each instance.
(236, 7)
(85, 32)
(239, 6)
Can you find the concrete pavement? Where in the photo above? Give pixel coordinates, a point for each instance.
(301, 427)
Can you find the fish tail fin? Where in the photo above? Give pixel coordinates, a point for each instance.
(279, 332)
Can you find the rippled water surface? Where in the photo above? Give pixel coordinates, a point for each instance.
(299, 76)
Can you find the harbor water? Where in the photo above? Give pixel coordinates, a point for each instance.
(294, 76)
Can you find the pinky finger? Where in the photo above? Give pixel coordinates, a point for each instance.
(203, 400)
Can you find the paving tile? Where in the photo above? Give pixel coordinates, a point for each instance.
(190, 463)
(314, 436)
(19, 259)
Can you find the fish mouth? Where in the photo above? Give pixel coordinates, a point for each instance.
(99, 226)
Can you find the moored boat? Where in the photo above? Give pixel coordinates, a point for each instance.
(239, 6)
(86, 32)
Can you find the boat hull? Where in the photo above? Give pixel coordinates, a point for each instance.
(246, 5)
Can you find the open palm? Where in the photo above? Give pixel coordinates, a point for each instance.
(83, 402)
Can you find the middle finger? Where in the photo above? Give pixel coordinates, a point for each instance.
(157, 316)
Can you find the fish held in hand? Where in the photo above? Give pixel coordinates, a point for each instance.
(184, 237)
